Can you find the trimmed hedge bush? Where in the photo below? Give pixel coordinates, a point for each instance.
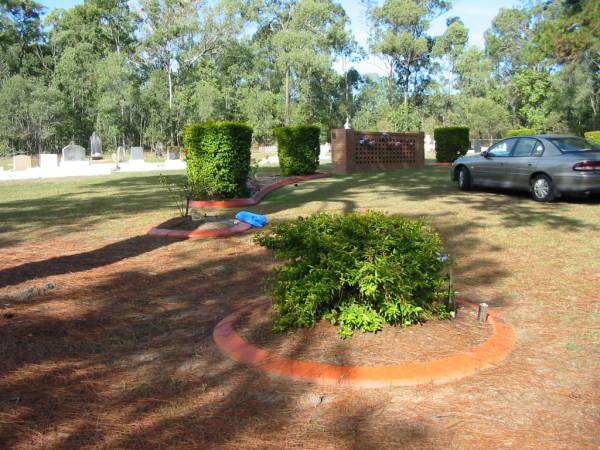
(519, 132)
(450, 143)
(298, 149)
(593, 136)
(218, 158)
(358, 270)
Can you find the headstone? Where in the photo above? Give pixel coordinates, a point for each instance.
(158, 149)
(21, 162)
(477, 145)
(137, 154)
(48, 161)
(95, 146)
(73, 153)
(173, 154)
(120, 153)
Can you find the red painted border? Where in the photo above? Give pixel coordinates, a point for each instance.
(257, 197)
(238, 228)
(443, 370)
(445, 164)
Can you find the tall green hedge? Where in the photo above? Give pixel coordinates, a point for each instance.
(450, 143)
(218, 158)
(298, 149)
(520, 132)
(593, 136)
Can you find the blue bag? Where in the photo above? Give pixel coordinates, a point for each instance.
(256, 220)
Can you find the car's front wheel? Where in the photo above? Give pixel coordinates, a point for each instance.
(542, 189)
(465, 182)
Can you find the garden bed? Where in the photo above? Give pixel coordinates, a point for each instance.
(463, 362)
(393, 345)
(262, 188)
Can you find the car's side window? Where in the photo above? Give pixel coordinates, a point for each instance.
(524, 147)
(538, 150)
(502, 148)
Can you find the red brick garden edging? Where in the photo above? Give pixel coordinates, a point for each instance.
(445, 164)
(257, 197)
(443, 370)
(238, 228)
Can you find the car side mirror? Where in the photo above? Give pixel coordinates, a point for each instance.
(485, 154)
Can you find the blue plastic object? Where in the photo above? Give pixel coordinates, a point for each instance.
(256, 220)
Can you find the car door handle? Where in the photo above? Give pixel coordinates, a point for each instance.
(529, 164)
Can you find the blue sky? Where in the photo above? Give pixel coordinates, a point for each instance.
(476, 14)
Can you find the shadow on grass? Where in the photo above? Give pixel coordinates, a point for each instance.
(81, 262)
(131, 363)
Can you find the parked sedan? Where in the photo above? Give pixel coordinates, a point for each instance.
(545, 165)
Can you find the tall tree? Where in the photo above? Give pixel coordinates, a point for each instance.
(451, 46)
(305, 36)
(400, 35)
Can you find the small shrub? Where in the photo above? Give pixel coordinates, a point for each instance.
(450, 143)
(298, 149)
(218, 158)
(519, 132)
(359, 271)
(593, 137)
(181, 194)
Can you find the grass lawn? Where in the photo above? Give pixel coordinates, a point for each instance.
(119, 353)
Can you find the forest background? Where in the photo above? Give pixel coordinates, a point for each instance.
(137, 72)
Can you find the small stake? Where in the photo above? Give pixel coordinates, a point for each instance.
(482, 315)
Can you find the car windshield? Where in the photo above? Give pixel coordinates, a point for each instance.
(574, 144)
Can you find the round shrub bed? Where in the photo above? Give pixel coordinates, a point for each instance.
(359, 271)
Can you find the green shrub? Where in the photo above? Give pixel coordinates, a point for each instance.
(593, 136)
(298, 149)
(519, 132)
(359, 271)
(450, 143)
(218, 158)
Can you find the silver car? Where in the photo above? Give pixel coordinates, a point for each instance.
(545, 165)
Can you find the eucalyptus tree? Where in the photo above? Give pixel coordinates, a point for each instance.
(451, 45)
(399, 35)
(569, 35)
(176, 35)
(305, 36)
(21, 35)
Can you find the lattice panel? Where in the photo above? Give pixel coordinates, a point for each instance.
(388, 149)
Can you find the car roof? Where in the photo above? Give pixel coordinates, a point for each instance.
(544, 136)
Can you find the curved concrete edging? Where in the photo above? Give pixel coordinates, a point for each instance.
(444, 164)
(257, 197)
(443, 370)
(238, 228)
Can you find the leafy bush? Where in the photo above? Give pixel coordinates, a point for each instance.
(298, 149)
(450, 143)
(359, 271)
(218, 158)
(593, 136)
(520, 132)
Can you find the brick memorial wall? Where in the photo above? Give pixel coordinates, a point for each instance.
(361, 151)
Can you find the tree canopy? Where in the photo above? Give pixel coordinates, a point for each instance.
(138, 72)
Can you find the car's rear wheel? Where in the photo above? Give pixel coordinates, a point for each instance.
(542, 189)
(465, 183)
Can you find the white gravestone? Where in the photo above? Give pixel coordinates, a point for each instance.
(95, 146)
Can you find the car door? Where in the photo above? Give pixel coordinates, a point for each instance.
(490, 168)
(521, 163)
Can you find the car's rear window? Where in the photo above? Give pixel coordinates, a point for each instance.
(574, 144)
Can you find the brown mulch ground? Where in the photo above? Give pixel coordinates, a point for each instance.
(105, 338)
(188, 223)
(393, 345)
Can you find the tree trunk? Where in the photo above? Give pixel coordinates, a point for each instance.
(287, 96)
